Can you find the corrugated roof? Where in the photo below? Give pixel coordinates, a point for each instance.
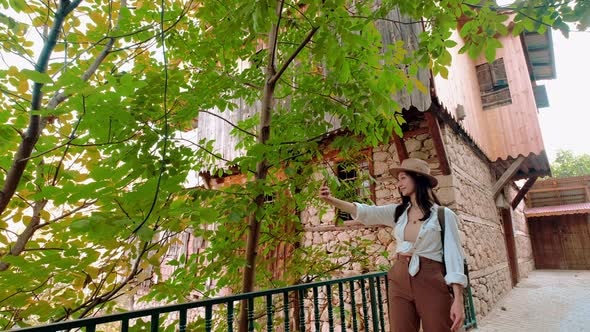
(558, 210)
(534, 165)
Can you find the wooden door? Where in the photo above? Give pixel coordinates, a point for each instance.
(561, 242)
(575, 239)
(510, 245)
(546, 242)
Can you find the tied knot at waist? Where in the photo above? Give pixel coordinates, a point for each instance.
(414, 262)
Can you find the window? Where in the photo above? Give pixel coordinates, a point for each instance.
(356, 185)
(269, 198)
(493, 84)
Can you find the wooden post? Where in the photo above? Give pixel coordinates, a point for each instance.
(400, 147)
(437, 141)
(511, 252)
(523, 191)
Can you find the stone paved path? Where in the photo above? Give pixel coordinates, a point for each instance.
(545, 301)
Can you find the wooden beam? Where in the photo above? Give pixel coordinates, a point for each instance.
(523, 191)
(437, 141)
(415, 132)
(540, 190)
(507, 175)
(400, 147)
(531, 174)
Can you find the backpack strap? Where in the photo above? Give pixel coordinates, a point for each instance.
(441, 220)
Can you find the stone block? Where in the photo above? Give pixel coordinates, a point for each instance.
(413, 145)
(419, 155)
(422, 137)
(381, 156)
(381, 168)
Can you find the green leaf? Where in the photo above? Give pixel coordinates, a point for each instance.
(145, 233)
(14, 25)
(449, 43)
(518, 29)
(344, 72)
(36, 76)
(82, 225)
(444, 72)
(563, 27)
(490, 52)
(18, 5)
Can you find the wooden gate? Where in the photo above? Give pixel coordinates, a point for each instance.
(561, 242)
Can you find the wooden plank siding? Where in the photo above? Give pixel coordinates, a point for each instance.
(503, 132)
(213, 128)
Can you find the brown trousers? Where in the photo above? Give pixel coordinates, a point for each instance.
(424, 297)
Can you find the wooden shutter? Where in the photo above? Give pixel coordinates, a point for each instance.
(484, 77)
(499, 73)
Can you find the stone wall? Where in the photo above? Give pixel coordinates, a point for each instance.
(481, 226)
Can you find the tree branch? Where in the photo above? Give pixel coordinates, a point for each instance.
(60, 97)
(294, 55)
(67, 214)
(105, 143)
(34, 128)
(24, 200)
(275, 37)
(8, 231)
(229, 122)
(91, 303)
(27, 234)
(387, 20)
(12, 94)
(165, 108)
(204, 149)
(43, 249)
(341, 102)
(300, 13)
(48, 151)
(27, 291)
(245, 83)
(72, 136)
(122, 209)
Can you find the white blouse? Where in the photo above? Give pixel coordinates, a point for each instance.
(428, 243)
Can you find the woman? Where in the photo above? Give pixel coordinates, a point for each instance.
(418, 287)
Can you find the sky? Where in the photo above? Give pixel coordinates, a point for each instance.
(565, 124)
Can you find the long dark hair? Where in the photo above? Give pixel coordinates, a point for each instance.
(425, 197)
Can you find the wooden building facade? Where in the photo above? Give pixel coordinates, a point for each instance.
(558, 215)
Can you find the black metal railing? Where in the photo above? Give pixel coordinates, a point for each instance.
(361, 305)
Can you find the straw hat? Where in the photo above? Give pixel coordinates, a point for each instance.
(417, 166)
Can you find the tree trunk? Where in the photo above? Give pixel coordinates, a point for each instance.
(261, 170)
